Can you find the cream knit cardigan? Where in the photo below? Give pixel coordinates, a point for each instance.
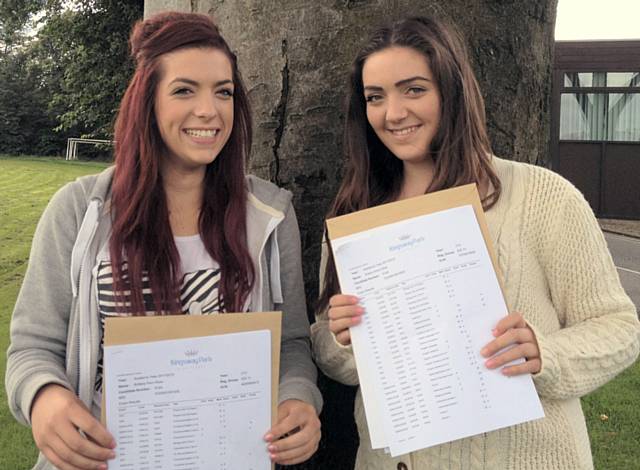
(559, 274)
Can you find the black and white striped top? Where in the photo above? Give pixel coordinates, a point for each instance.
(198, 289)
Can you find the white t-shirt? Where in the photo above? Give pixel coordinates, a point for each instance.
(200, 278)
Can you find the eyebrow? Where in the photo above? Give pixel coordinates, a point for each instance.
(188, 81)
(400, 83)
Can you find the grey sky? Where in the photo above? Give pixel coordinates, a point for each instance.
(598, 19)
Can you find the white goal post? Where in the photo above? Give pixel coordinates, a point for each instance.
(72, 145)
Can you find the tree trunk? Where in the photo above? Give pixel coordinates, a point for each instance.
(295, 57)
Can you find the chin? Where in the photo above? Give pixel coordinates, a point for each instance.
(207, 159)
(410, 157)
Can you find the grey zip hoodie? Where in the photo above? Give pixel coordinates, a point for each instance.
(55, 329)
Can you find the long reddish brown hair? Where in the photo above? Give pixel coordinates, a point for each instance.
(141, 233)
(461, 150)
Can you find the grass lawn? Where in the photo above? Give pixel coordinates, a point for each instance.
(613, 418)
(26, 184)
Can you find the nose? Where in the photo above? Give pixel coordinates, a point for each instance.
(396, 109)
(206, 106)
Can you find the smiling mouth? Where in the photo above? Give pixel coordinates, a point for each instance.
(404, 131)
(202, 132)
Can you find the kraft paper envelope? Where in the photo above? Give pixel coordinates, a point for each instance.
(390, 213)
(408, 208)
(130, 330)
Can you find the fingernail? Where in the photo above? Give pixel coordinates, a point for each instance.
(360, 310)
(102, 466)
(489, 363)
(272, 456)
(112, 455)
(355, 320)
(494, 332)
(272, 448)
(484, 351)
(268, 437)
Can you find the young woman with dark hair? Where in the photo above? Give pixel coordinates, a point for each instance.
(175, 227)
(416, 124)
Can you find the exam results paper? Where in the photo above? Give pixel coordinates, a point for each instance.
(196, 403)
(431, 297)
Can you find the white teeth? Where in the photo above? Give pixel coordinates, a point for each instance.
(405, 131)
(202, 132)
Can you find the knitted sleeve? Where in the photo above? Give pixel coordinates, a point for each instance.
(334, 359)
(600, 332)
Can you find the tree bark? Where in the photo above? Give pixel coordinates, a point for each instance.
(295, 57)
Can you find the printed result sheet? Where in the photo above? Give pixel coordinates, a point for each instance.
(431, 298)
(196, 403)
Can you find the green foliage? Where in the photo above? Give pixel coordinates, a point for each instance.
(87, 49)
(25, 124)
(14, 17)
(67, 80)
(23, 113)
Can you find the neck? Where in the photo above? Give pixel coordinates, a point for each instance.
(416, 178)
(184, 191)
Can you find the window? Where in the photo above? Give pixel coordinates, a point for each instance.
(602, 109)
(602, 79)
(623, 79)
(623, 117)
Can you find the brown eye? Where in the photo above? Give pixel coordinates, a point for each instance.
(226, 93)
(181, 91)
(372, 98)
(415, 90)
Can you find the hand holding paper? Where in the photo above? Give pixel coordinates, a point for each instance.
(56, 418)
(296, 435)
(424, 274)
(344, 313)
(514, 341)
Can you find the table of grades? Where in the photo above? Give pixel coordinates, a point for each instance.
(194, 404)
(431, 298)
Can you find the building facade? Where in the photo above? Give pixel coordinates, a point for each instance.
(595, 123)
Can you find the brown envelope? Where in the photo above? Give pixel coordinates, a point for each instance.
(130, 330)
(421, 205)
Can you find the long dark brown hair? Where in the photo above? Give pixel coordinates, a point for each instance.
(141, 233)
(461, 150)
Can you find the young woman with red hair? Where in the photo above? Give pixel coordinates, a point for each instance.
(175, 227)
